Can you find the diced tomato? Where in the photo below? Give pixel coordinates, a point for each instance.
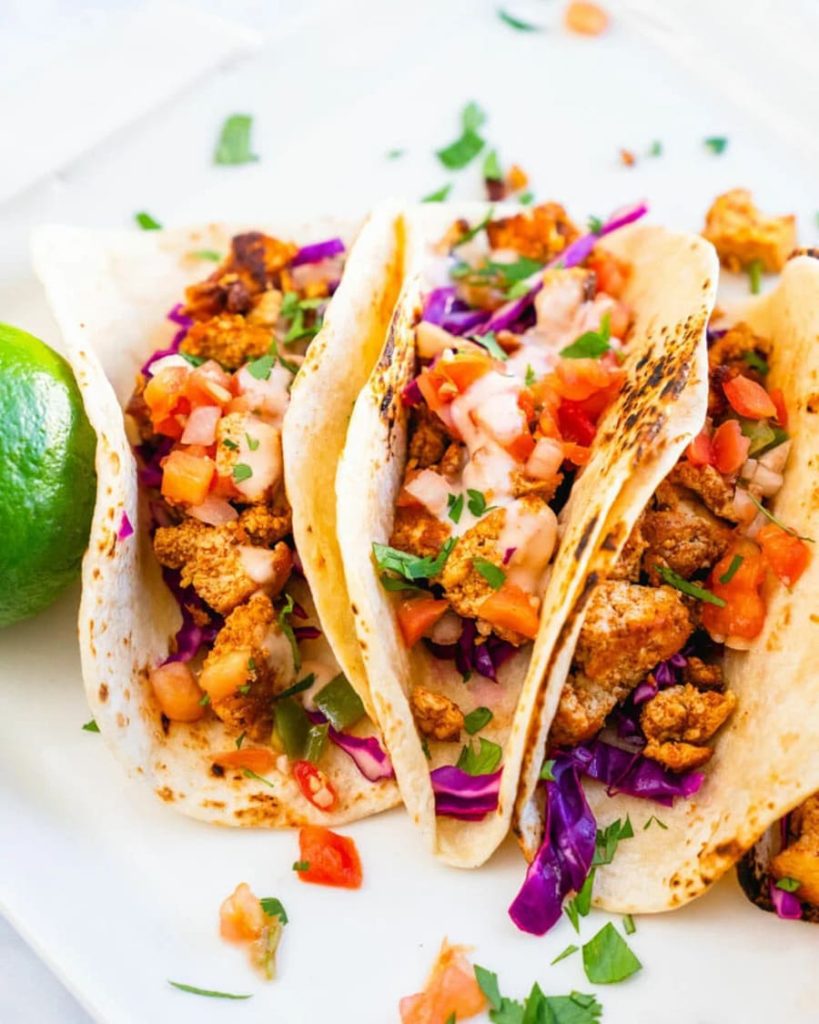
(465, 369)
(223, 676)
(778, 399)
(522, 447)
(241, 917)
(526, 401)
(786, 555)
(748, 398)
(585, 18)
(208, 384)
(164, 395)
(744, 612)
(451, 991)
(239, 404)
(729, 447)
(330, 859)
(575, 424)
(576, 453)
(611, 274)
(547, 424)
(186, 478)
(619, 319)
(177, 692)
(511, 608)
(577, 379)
(699, 451)
(315, 785)
(417, 615)
(254, 759)
(200, 427)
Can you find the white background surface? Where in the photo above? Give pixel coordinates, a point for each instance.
(116, 892)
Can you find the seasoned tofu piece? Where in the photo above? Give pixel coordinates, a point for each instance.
(584, 706)
(428, 439)
(687, 538)
(702, 674)
(418, 531)
(540, 234)
(628, 629)
(436, 716)
(741, 233)
(249, 454)
(217, 562)
(680, 720)
(706, 482)
(628, 564)
(230, 339)
(800, 859)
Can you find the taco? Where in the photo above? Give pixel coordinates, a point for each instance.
(780, 873)
(677, 707)
(477, 434)
(206, 636)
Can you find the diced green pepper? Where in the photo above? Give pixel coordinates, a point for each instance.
(762, 435)
(292, 727)
(316, 742)
(339, 702)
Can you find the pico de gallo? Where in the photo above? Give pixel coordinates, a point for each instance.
(206, 421)
(694, 578)
(518, 350)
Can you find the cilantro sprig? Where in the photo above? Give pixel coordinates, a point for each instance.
(592, 344)
(482, 761)
(233, 146)
(410, 567)
(209, 992)
(467, 146)
(607, 957)
(673, 579)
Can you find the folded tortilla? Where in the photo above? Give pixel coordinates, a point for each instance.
(671, 292)
(110, 293)
(766, 758)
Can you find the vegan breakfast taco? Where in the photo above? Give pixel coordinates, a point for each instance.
(685, 676)
(215, 651)
(525, 373)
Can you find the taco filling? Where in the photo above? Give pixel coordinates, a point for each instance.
(518, 350)
(206, 421)
(645, 695)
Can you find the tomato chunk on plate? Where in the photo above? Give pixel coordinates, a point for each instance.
(327, 858)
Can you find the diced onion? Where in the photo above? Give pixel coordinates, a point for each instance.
(431, 489)
(766, 481)
(545, 460)
(744, 508)
(776, 459)
(201, 425)
(214, 511)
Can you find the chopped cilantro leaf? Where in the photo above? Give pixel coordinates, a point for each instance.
(241, 471)
(656, 148)
(189, 357)
(468, 235)
(655, 820)
(530, 377)
(730, 572)
(788, 884)
(472, 117)
(451, 1019)
(716, 143)
(607, 958)
(526, 198)
(252, 442)
(249, 774)
(301, 865)
(570, 910)
(91, 726)
(394, 154)
(482, 761)
(582, 901)
(493, 574)
(211, 993)
(547, 771)
(517, 23)
(477, 719)
(206, 254)
(240, 740)
(488, 984)
(204, 700)
(233, 146)
(299, 687)
(286, 627)
(609, 838)
(629, 927)
(518, 290)
(755, 276)
(778, 522)
(489, 341)
(595, 225)
(562, 956)
(260, 368)
(244, 689)
(455, 506)
(440, 196)
(465, 148)
(515, 270)
(491, 167)
(274, 908)
(425, 748)
(510, 1012)
(394, 584)
(673, 579)
(411, 567)
(288, 364)
(756, 362)
(147, 222)
(477, 502)
(231, 445)
(591, 344)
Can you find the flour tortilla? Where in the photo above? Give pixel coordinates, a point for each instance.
(671, 291)
(110, 292)
(766, 760)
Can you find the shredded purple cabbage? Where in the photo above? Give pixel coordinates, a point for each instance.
(626, 720)
(624, 771)
(564, 859)
(508, 554)
(786, 904)
(574, 254)
(150, 456)
(178, 317)
(461, 795)
(471, 656)
(318, 251)
(369, 756)
(126, 528)
(443, 308)
(190, 637)
(411, 395)
(298, 611)
(306, 632)
(713, 334)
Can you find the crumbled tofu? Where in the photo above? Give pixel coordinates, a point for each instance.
(741, 233)
(436, 716)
